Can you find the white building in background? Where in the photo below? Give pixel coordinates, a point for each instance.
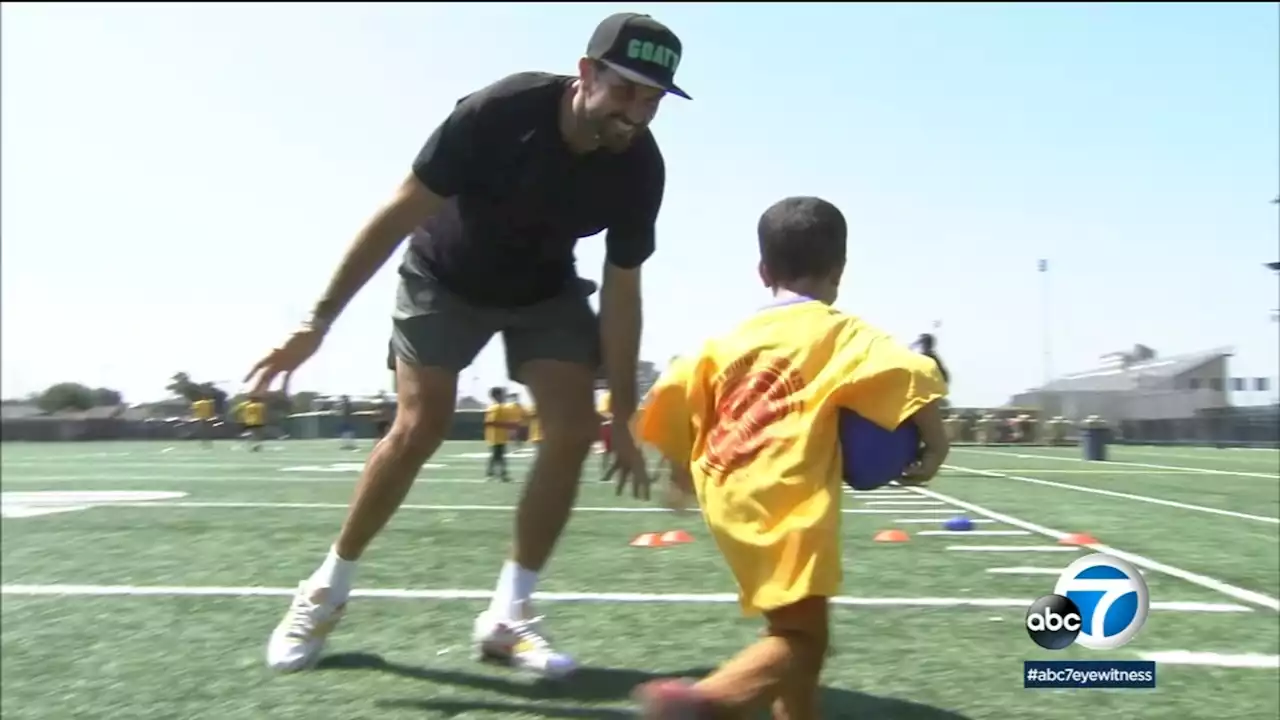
(1140, 385)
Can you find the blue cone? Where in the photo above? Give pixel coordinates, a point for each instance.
(959, 523)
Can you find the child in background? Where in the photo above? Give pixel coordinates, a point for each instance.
(501, 419)
(749, 425)
(604, 409)
(202, 409)
(253, 417)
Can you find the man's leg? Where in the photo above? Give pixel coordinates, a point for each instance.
(553, 349)
(436, 335)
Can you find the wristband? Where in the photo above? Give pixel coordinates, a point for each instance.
(320, 324)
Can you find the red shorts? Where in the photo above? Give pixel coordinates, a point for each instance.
(606, 435)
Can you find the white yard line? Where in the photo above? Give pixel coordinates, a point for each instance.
(904, 503)
(1063, 458)
(1025, 570)
(1113, 493)
(619, 597)
(234, 505)
(1012, 548)
(980, 533)
(1109, 473)
(1212, 659)
(937, 520)
(1204, 581)
(169, 478)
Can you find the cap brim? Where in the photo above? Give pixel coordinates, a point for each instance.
(641, 79)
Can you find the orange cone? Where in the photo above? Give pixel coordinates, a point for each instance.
(675, 537)
(891, 536)
(1078, 539)
(647, 540)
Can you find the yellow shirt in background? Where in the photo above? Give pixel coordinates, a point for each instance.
(251, 413)
(202, 409)
(535, 426)
(604, 405)
(500, 421)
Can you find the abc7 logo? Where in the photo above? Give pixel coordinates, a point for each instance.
(1099, 602)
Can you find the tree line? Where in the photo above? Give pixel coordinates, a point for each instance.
(74, 396)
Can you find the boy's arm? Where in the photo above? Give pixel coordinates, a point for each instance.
(666, 420)
(936, 445)
(885, 382)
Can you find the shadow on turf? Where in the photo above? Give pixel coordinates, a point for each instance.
(591, 684)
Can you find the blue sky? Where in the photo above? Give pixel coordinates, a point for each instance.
(179, 182)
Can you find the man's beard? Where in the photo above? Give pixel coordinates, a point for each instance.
(617, 133)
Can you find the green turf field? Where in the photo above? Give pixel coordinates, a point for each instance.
(159, 606)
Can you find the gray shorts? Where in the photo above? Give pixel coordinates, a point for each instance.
(434, 327)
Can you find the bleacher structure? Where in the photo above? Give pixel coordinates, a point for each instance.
(1146, 398)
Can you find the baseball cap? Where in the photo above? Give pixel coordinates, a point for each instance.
(639, 49)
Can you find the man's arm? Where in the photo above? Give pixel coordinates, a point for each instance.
(442, 169)
(412, 205)
(621, 321)
(628, 244)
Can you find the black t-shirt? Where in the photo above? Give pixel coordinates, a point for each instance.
(518, 200)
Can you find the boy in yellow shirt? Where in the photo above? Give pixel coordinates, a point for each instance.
(750, 425)
(202, 409)
(253, 418)
(604, 408)
(501, 419)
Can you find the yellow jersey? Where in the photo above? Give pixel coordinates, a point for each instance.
(754, 418)
(535, 426)
(604, 406)
(202, 409)
(500, 421)
(252, 413)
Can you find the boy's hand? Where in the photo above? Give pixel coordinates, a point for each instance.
(924, 469)
(936, 446)
(679, 495)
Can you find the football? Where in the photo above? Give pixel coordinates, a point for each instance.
(872, 456)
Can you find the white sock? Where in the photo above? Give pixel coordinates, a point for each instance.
(336, 574)
(515, 586)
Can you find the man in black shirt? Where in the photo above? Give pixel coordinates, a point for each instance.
(497, 200)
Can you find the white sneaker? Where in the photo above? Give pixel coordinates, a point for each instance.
(297, 641)
(520, 644)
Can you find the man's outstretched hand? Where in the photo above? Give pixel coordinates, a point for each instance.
(629, 464)
(285, 359)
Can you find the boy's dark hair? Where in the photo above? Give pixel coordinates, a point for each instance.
(802, 237)
(497, 394)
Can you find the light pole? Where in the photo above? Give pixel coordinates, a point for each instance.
(1275, 266)
(1275, 314)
